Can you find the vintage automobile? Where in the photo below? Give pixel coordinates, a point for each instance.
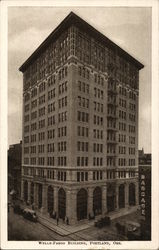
(17, 209)
(30, 214)
(105, 221)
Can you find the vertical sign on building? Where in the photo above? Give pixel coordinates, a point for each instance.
(143, 191)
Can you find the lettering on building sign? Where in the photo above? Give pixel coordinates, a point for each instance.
(143, 189)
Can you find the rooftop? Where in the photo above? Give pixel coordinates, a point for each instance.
(72, 18)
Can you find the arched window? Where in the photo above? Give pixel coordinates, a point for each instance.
(25, 190)
(61, 203)
(32, 193)
(82, 204)
(40, 190)
(132, 194)
(50, 199)
(97, 201)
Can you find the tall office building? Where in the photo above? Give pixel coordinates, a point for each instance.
(80, 124)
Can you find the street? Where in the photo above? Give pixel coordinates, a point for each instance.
(21, 229)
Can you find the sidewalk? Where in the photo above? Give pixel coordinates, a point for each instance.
(64, 230)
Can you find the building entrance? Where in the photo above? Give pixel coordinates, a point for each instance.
(40, 189)
(121, 196)
(110, 203)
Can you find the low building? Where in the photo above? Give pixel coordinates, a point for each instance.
(14, 168)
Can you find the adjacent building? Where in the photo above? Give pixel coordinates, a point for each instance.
(80, 124)
(145, 193)
(14, 168)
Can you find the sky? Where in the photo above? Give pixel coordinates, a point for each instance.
(128, 27)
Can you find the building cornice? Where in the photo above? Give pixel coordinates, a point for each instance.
(73, 19)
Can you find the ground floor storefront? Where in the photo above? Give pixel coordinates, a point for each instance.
(79, 203)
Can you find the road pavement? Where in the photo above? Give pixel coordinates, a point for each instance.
(21, 229)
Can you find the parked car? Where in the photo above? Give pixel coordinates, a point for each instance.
(30, 214)
(18, 209)
(105, 221)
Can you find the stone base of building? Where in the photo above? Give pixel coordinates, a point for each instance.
(81, 203)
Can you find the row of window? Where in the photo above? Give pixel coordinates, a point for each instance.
(82, 131)
(63, 88)
(51, 134)
(62, 131)
(50, 147)
(50, 161)
(51, 80)
(51, 95)
(63, 102)
(98, 134)
(63, 73)
(132, 106)
(61, 176)
(82, 176)
(111, 149)
(42, 111)
(122, 126)
(98, 120)
(82, 71)
(110, 174)
(62, 116)
(122, 103)
(98, 93)
(131, 151)
(83, 102)
(82, 161)
(97, 161)
(98, 107)
(122, 162)
(110, 161)
(111, 136)
(122, 114)
(82, 116)
(41, 99)
(62, 161)
(97, 175)
(131, 129)
(82, 146)
(122, 138)
(62, 146)
(98, 79)
(83, 87)
(122, 150)
(97, 148)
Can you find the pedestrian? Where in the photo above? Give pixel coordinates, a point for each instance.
(57, 220)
